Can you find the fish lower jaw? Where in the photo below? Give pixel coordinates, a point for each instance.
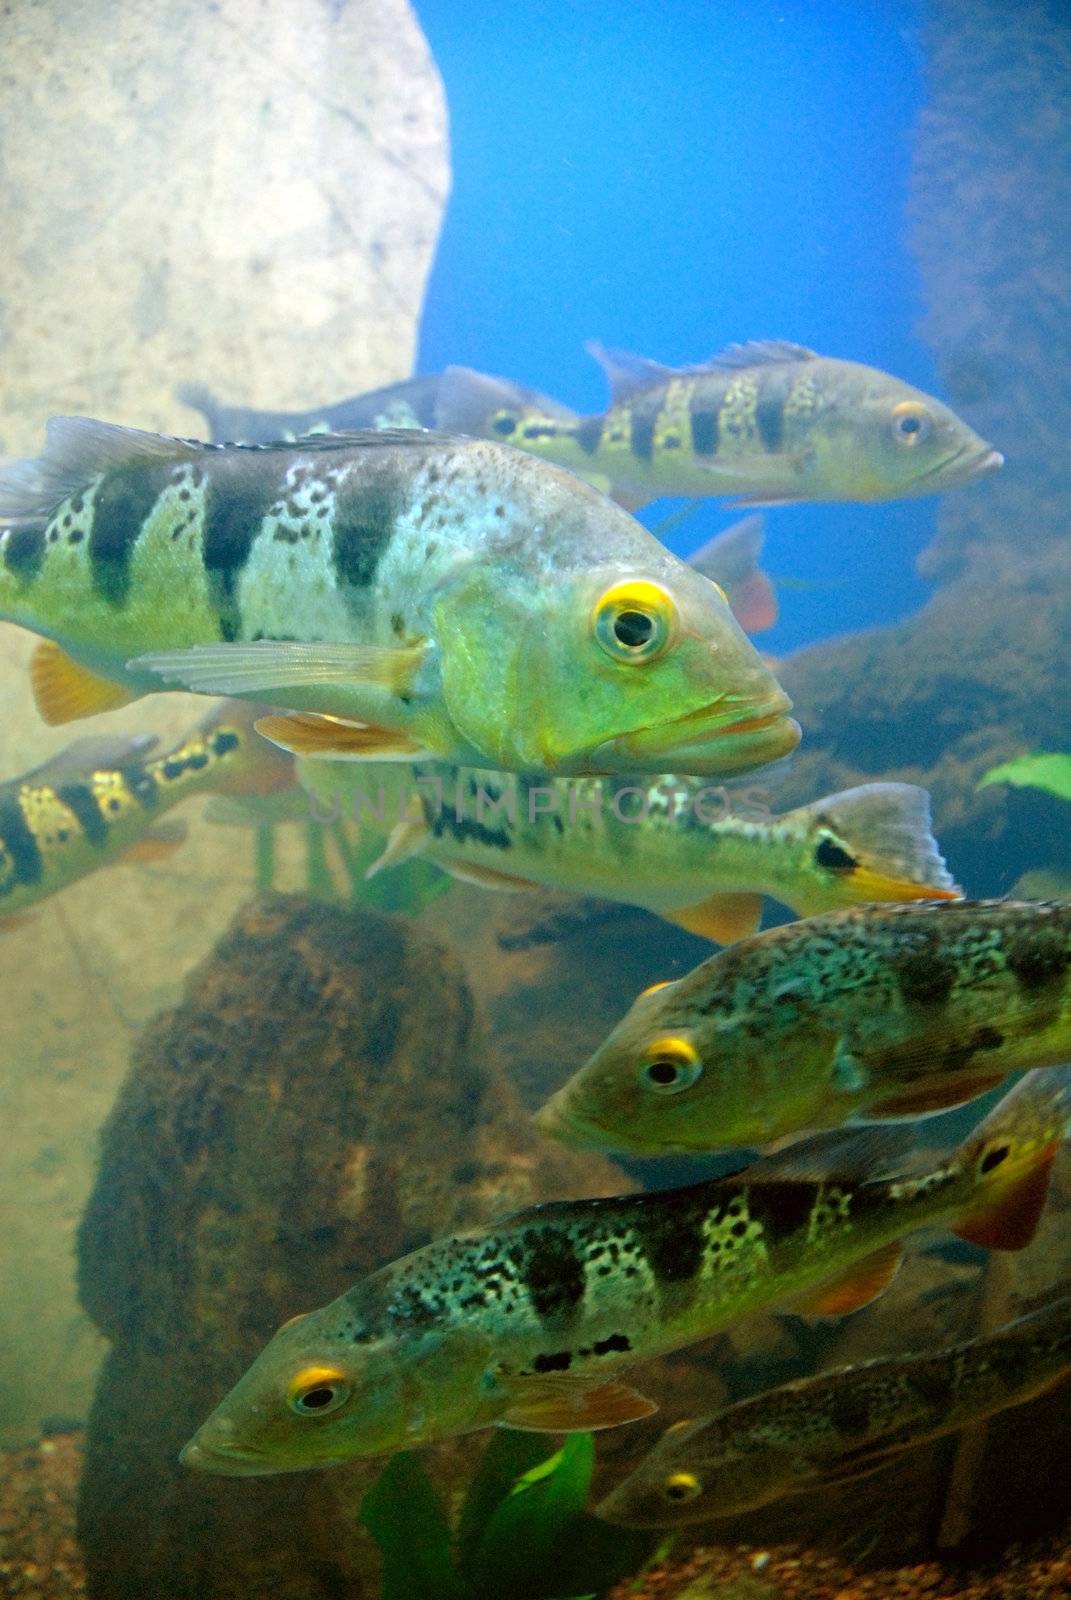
(227, 1463)
(706, 743)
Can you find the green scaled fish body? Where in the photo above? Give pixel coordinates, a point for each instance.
(530, 1322)
(403, 593)
(700, 856)
(880, 1011)
(100, 800)
(766, 422)
(831, 1429)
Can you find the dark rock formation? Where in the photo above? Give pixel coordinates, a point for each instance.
(318, 1104)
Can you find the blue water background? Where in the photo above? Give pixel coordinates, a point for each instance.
(668, 178)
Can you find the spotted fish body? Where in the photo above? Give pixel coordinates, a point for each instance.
(529, 1322)
(441, 596)
(766, 422)
(700, 856)
(836, 1427)
(881, 1011)
(101, 800)
(413, 403)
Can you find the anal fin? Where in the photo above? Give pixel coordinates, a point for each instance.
(307, 734)
(862, 1282)
(566, 1406)
(63, 690)
(156, 844)
(722, 917)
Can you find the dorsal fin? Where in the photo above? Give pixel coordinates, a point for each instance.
(96, 753)
(465, 400)
(78, 449)
(628, 374)
(756, 353)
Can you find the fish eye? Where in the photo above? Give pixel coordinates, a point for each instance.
(993, 1157)
(720, 590)
(653, 988)
(681, 1486)
(911, 422)
(635, 622)
(316, 1391)
(670, 1066)
(504, 424)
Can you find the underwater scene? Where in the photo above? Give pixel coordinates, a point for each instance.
(535, 800)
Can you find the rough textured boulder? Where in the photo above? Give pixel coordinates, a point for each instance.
(318, 1104)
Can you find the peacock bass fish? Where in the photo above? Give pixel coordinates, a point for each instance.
(100, 801)
(884, 1011)
(766, 422)
(672, 845)
(530, 1321)
(403, 594)
(829, 1430)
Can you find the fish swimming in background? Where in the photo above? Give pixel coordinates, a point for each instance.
(672, 845)
(530, 1321)
(876, 1012)
(413, 403)
(99, 801)
(769, 423)
(829, 1430)
(404, 594)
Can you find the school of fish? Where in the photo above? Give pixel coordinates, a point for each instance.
(434, 577)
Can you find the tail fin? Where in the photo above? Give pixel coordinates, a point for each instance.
(731, 559)
(1010, 1154)
(466, 400)
(875, 843)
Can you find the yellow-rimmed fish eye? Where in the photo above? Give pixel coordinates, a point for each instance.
(670, 1065)
(635, 621)
(653, 988)
(681, 1486)
(720, 590)
(911, 422)
(316, 1391)
(290, 1321)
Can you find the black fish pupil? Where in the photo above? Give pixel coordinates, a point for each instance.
(910, 424)
(662, 1072)
(317, 1398)
(993, 1158)
(633, 629)
(504, 425)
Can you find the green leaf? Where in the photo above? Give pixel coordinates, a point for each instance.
(1052, 773)
(403, 1514)
(520, 1553)
(511, 1454)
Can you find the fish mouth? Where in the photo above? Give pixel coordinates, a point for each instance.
(555, 1120)
(715, 740)
(227, 1461)
(965, 466)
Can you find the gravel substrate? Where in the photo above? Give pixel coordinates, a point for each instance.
(39, 1558)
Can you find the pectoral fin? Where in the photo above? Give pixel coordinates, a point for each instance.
(63, 690)
(567, 1406)
(486, 877)
(927, 1098)
(305, 734)
(407, 838)
(263, 665)
(723, 917)
(862, 1282)
(156, 844)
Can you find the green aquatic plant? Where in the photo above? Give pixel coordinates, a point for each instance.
(1050, 772)
(522, 1531)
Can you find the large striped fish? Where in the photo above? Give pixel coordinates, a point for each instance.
(880, 1011)
(765, 422)
(822, 1432)
(530, 1322)
(100, 801)
(403, 593)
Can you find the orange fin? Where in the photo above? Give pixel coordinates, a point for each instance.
(15, 920)
(862, 1282)
(921, 1101)
(723, 917)
(486, 877)
(155, 845)
(1008, 1219)
(567, 1406)
(63, 691)
(306, 734)
(754, 603)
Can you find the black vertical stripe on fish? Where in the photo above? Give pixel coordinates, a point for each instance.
(672, 1243)
(704, 431)
(19, 843)
(236, 502)
(24, 552)
(588, 434)
(642, 419)
(123, 504)
(79, 798)
(770, 420)
(142, 785)
(365, 517)
(552, 1273)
